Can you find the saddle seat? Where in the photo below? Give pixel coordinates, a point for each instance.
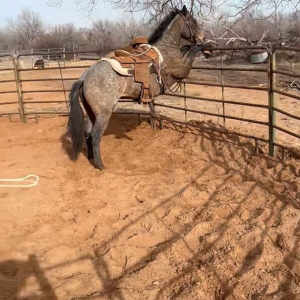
(140, 56)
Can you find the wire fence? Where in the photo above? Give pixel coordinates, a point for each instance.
(45, 92)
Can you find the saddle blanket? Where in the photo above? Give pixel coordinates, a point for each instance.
(118, 67)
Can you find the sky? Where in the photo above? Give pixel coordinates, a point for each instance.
(69, 12)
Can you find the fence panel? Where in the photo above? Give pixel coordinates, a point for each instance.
(286, 105)
(214, 94)
(225, 105)
(45, 92)
(10, 101)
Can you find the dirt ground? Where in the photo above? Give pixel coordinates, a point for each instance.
(177, 215)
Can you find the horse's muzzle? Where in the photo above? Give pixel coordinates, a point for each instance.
(207, 53)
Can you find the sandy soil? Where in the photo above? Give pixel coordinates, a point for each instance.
(177, 215)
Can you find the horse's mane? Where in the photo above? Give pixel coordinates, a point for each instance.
(159, 31)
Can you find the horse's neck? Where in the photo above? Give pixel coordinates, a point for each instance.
(177, 64)
(172, 35)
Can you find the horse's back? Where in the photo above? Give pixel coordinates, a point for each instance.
(102, 86)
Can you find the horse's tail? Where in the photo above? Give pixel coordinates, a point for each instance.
(76, 120)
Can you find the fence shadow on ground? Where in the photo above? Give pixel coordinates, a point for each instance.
(202, 256)
(222, 153)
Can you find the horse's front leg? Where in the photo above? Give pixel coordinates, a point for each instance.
(183, 69)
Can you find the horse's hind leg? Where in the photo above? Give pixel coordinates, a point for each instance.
(97, 133)
(88, 137)
(90, 118)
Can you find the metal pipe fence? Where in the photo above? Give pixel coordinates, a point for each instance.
(271, 90)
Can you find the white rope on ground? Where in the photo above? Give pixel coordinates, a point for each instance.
(24, 179)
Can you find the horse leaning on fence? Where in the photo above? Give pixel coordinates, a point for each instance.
(100, 87)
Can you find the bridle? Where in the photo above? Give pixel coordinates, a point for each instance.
(191, 30)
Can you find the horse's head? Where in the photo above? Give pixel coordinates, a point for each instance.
(191, 29)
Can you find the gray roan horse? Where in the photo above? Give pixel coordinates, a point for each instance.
(100, 87)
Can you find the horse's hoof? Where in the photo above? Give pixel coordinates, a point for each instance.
(102, 167)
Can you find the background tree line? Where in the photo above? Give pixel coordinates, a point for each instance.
(28, 30)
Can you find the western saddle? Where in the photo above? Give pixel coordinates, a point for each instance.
(140, 56)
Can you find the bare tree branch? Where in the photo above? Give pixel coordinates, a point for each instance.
(27, 28)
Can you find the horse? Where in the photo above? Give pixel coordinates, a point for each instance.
(100, 87)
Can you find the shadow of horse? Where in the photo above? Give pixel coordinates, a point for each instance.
(119, 126)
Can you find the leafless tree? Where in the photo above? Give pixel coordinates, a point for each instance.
(5, 40)
(62, 36)
(27, 27)
(132, 28)
(156, 9)
(105, 35)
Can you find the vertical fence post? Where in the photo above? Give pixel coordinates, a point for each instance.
(185, 107)
(222, 83)
(271, 95)
(32, 65)
(152, 114)
(63, 85)
(19, 90)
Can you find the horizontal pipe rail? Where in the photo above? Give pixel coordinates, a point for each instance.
(284, 147)
(46, 113)
(46, 79)
(8, 103)
(238, 48)
(45, 102)
(286, 73)
(9, 113)
(8, 92)
(213, 129)
(233, 86)
(7, 55)
(286, 131)
(7, 69)
(67, 113)
(286, 113)
(217, 100)
(287, 48)
(7, 81)
(213, 114)
(64, 101)
(53, 68)
(59, 53)
(46, 91)
(275, 90)
(230, 69)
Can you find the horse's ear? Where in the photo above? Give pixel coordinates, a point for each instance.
(184, 10)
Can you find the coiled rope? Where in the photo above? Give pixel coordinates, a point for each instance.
(31, 182)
